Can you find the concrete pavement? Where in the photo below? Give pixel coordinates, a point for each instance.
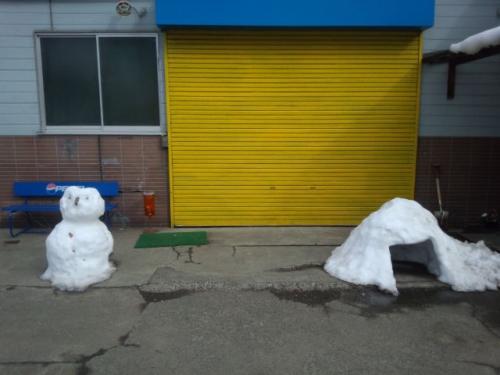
(241, 257)
(252, 301)
(236, 332)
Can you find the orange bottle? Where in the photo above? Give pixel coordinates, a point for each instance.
(149, 204)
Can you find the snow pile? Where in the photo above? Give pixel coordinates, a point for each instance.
(477, 42)
(365, 257)
(78, 248)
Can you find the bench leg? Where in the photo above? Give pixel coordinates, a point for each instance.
(27, 228)
(10, 220)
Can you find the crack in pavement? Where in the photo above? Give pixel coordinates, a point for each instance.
(178, 253)
(11, 242)
(300, 267)
(13, 286)
(82, 360)
(84, 369)
(234, 251)
(153, 297)
(65, 292)
(85, 359)
(190, 254)
(123, 340)
(483, 323)
(36, 363)
(148, 297)
(496, 369)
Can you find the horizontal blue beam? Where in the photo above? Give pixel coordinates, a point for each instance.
(296, 13)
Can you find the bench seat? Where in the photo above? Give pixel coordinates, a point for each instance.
(53, 190)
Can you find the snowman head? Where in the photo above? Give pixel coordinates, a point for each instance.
(81, 204)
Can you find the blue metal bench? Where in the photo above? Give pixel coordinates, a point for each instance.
(53, 189)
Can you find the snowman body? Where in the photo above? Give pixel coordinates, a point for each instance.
(78, 248)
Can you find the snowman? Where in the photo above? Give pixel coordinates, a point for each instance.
(78, 248)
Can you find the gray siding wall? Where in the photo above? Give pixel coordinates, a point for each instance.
(475, 110)
(19, 108)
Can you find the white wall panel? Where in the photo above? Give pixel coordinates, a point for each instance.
(19, 108)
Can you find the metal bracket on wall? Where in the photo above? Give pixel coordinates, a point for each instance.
(452, 70)
(454, 59)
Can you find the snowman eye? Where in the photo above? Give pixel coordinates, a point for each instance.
(87, 198)
(70, 197)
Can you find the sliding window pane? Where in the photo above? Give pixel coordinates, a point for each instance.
(70, 79)
(129, 79)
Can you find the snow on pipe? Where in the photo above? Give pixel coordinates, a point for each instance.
(365, 257)
(475, 43)
(78, 248)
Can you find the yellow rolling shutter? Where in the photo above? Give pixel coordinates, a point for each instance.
(290, 127)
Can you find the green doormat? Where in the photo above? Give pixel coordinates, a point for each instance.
(171, 239)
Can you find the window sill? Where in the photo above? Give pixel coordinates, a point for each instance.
(119, 130)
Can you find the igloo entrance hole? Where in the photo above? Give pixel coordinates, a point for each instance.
(417, 258)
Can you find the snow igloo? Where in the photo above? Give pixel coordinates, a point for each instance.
(78, 248)
(365, 257)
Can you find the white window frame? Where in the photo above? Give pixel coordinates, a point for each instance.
(102, 129)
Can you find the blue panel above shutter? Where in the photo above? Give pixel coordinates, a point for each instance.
(296, 13)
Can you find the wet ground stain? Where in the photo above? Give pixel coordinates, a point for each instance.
(399, 267)
(190, 254)
(371, 303)
(310, 297)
